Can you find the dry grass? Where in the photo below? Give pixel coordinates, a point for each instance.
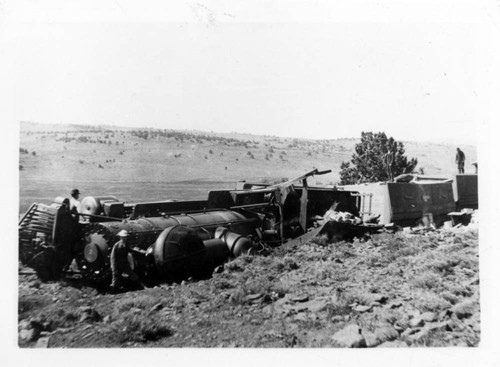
(429, 301)
(135, 328)
(252, 302)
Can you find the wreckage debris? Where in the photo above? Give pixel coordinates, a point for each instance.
(177, 240)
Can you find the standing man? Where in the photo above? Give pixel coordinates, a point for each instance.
(460, 160)
(120, 264)
(74, 202)
(388, 161)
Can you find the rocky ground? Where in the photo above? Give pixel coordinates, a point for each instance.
(391, 290)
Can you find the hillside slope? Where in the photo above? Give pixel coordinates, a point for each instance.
(151, 164)
(389, 291)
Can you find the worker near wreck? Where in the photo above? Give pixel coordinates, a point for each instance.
(74, 202)
(120, 264)
(388, 159)
(460, 160)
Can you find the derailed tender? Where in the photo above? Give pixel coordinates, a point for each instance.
(177, 239)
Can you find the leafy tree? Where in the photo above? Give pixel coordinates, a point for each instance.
(369, 162)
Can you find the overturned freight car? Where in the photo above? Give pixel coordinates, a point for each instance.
(406, 203)
(466, 191)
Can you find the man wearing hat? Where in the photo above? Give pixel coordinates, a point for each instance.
(74, 202)
(120, 264)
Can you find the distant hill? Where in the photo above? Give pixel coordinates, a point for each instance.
(138, 164)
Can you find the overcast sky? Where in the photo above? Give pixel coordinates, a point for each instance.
(316, 69)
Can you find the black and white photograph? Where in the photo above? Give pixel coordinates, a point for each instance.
(244, 178)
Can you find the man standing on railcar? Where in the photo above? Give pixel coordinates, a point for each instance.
(460, 160)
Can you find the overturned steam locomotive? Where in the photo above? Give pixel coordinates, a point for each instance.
(177, 239)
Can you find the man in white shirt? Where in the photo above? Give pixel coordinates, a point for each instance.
(74, 203)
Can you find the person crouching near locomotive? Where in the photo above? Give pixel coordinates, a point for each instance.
(120, 264)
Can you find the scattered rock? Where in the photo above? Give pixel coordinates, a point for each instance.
(253, 297)
(371, 339)
(29, 334)
(444, 314)
(36, 323)
(474, 281)
(393, 344)
(157, 307)
(362, 308)
(24, 324)
(464, 309)
(300, 298)
(398, 327)
(349, 337)
(106, 319)
(428, 316)
(47, 326)
(195, 301)
(273, 334)
(380, 299)
(387, 333)
(256, 298)
(219, 269)
(441, 326)
(315, 305)
(337, 318)
(88, 314)
(417, 322)
(301, 317)
(43, 342)
(409, 331)
(394, 304)
(179, 304)
(267, 310)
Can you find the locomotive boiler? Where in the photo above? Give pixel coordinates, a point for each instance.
(180, 241)
(175, 239)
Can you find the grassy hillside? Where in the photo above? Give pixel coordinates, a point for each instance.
(389, 291)
(151, 164)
